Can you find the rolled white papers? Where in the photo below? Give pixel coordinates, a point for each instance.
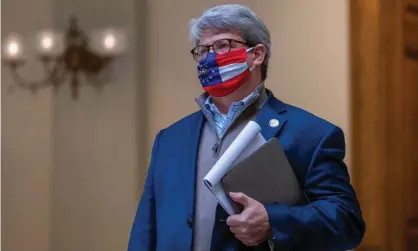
(226, 162)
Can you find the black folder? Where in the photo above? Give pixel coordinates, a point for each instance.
(267, 176)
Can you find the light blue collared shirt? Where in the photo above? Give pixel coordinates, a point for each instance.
(223, 121)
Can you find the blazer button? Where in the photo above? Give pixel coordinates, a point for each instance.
(190, 222)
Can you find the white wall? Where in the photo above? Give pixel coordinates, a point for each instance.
(310, 62)
(26, 140)
(73, 169)
(99, 162)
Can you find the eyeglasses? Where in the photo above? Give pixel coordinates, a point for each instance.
(220, 47)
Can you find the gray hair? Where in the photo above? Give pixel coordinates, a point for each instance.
(234, 17)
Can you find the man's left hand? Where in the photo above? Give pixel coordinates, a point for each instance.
(252, 225)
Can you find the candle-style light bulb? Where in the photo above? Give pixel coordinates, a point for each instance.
(109, 42)
(47, 41)
(12, 48)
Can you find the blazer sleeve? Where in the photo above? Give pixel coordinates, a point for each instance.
(332, 220)
(143, 233)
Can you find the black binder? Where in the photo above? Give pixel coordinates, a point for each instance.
(266, 176)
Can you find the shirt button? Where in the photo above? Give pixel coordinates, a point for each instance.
(190, 222)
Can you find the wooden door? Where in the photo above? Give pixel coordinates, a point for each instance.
(384, 43)
(410, 81)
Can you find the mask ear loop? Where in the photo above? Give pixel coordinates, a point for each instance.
(248, 50)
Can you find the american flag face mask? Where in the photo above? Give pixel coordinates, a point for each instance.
(222, 74)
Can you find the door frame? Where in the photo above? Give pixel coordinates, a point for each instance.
(376, 120)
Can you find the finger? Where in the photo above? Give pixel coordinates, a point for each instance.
(254, 241)
(241, 198)
(235, 220)
(235, 230)
(250, 242)
(242, 238)
(251, 239)
(240, 230)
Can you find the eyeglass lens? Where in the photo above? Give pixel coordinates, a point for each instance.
(219, 47)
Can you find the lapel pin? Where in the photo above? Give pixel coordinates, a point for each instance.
(274, 123)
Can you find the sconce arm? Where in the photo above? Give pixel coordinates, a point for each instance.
(53, 75)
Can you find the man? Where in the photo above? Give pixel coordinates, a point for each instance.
(176, 212)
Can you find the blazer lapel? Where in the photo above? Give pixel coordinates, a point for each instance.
(189, 161)
(271, 117)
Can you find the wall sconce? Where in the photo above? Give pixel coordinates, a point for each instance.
(69, 54)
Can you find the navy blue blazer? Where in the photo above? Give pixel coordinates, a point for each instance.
(332, 221)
